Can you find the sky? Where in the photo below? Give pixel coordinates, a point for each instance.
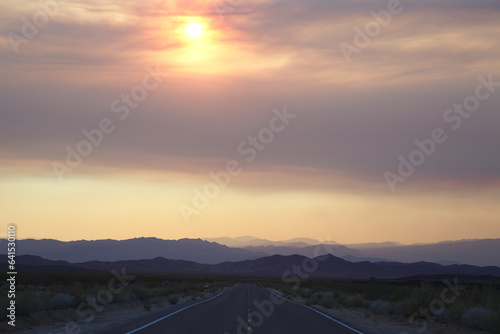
(350, 121)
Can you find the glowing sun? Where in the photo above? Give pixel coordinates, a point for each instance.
(194, 30)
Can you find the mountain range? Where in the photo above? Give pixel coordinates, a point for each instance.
(482, 252)
(249, 241)
(285, 267)
(132, 249)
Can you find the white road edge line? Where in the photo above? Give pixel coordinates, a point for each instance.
(313, 309)
(182, 309)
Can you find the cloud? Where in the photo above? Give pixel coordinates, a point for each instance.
(355, 119)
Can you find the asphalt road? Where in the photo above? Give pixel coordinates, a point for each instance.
(244, 309)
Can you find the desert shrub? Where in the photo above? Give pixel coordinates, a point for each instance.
(479, 318)
(173, 300)
(40, 318)
(311, 301)
(452, 313)
(398, 295)
(62, 301)
(355, 301)
(29, 302)
(287, 292)
(139, 291)
(407, 307)
(381, 307)
(492, 323)
(306, 293)
(156, 301)
(418, 298)
(339, 298)
(327, 302)
(123, 297)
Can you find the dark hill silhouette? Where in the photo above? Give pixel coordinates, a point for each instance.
(309, 251)
(474, 252)
(276, 265)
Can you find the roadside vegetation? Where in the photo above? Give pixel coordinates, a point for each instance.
(43, 299)
(475, 304)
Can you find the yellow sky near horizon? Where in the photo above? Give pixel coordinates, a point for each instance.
(118, 209)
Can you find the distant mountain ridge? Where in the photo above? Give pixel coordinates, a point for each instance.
(249, 241)
(276, 266)
(481, 252)
(132, 249)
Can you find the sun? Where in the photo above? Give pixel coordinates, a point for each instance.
(194, 30)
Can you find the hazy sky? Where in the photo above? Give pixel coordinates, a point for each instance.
(346, 120)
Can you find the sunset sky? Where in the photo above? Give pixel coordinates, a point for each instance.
(116, 116)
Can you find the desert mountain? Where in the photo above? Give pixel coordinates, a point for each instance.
(285, 267)
(482, 252)
(132, 249)
(249, 241)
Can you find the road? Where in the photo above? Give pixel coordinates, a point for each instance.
(244, 309)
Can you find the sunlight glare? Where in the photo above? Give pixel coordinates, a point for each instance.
(194, 30)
